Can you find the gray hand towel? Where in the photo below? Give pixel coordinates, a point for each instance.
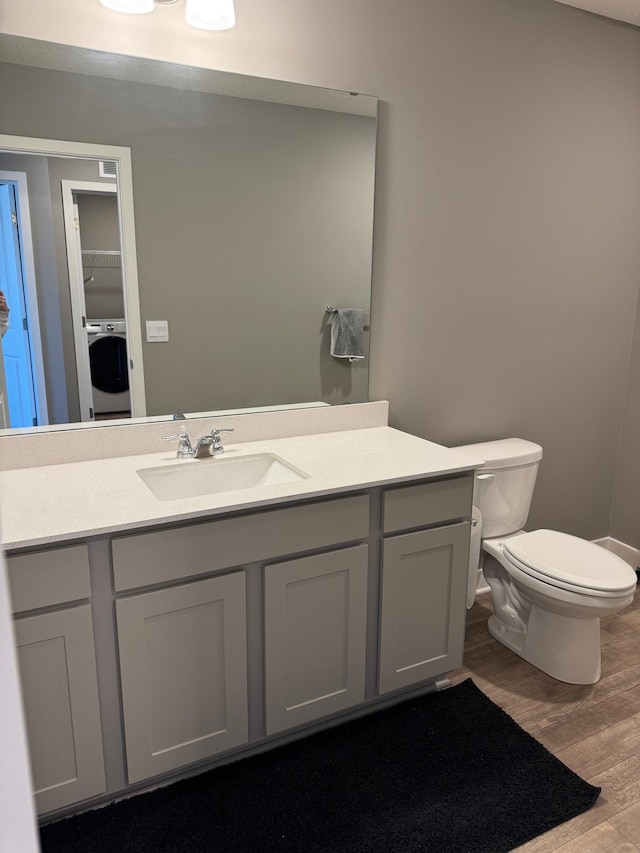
(346, 333)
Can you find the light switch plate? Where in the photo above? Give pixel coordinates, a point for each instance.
(157, 331)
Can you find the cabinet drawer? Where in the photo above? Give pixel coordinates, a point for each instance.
(46, 578)
(426, 504)
(167, 555)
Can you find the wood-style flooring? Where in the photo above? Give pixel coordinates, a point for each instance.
(594, 730)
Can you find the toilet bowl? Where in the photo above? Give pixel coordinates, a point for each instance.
(549, 590)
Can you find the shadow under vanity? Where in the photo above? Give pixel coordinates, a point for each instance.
(157, 649)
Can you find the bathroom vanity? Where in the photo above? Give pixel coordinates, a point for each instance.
(158, 638)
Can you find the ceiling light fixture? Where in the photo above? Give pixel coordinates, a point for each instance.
(204, 14)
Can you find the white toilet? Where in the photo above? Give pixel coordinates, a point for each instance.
(548, 589)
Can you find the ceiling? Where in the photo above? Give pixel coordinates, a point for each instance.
(621, 10)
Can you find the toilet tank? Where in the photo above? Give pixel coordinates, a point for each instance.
(504, 484)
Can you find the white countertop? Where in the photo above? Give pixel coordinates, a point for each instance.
(55, 503)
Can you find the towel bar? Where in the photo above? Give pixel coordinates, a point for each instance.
(331, 310)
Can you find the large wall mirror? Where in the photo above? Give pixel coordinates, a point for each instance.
(209, 218)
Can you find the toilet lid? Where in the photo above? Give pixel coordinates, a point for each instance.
(570, 561)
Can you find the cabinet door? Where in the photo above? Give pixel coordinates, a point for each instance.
(183, 665)
(422, 613)
(60, 694)
(315, 633)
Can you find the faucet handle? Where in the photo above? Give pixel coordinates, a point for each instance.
(217, 442)
(185, 450)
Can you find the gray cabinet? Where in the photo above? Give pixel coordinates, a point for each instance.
(315, 636)
(423, 582)
(183, 666)
(57, 664)
(233, 629)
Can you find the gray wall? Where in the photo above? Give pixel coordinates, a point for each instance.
(506, 258)
(251, 217)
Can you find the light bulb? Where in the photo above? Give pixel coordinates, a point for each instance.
(211, 14)
(132, 7)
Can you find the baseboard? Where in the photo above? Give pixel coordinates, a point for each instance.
(629, 555)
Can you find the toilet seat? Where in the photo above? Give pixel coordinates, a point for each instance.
(570, 563)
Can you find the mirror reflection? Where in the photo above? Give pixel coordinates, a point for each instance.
(253, 212)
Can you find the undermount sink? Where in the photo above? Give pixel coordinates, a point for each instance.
(196, 478)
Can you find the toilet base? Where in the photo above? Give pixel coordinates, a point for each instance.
(564, 647)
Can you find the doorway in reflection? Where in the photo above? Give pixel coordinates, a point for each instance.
(94, 260)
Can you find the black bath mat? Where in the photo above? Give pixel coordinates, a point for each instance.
(448, 772)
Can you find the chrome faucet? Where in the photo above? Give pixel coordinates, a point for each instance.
(206, 446)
